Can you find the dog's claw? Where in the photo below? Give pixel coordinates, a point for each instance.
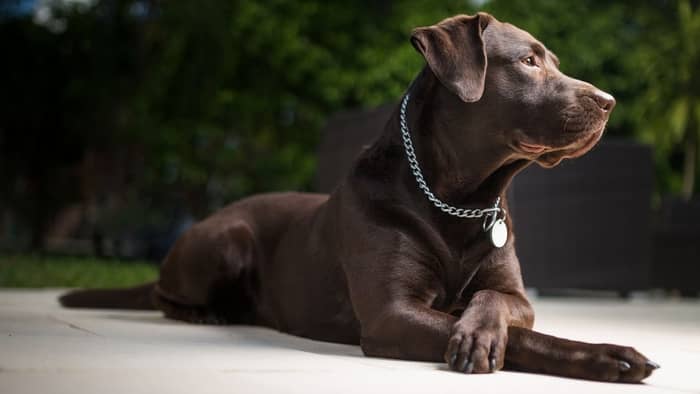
(492, 364)
(624, 366)
(653, 365)
(469, 368)
(463, 366)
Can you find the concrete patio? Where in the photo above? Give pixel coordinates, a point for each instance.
(47, 349)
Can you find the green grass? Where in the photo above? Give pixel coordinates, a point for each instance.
(50, 271)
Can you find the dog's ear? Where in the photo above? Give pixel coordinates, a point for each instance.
(454, 50)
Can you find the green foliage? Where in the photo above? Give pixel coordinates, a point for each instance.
(671, 102)
(38, 271)
(235, 93)
(212, 100)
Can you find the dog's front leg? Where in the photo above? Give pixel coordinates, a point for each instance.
(404, 324)
(496, 326)
(478, 339)
(408, 330)
(413, 331)
(496, 301)
(394, 306)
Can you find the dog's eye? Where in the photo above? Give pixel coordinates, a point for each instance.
(529, 61)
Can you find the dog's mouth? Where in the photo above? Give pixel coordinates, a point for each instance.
(532, 148)
(549, 156)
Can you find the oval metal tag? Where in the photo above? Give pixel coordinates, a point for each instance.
(499, 233)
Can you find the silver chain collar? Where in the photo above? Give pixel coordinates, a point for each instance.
(491, 214)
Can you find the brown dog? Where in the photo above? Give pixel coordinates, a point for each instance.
(376, 263)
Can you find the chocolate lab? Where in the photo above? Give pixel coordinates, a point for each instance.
(412, 256)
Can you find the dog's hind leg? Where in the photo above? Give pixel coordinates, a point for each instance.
(209, 275)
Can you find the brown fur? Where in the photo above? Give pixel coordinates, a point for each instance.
(375, 263)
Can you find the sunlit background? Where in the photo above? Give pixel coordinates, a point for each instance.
(124, 121)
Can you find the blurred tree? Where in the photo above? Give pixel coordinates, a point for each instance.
(66, 93)
(670, 104)
(197, 103)
(234, 93)
(59, 96)
(203, 102)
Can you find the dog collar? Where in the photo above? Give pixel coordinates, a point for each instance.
(493, 225)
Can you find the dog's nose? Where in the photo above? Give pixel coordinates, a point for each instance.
(605, 101)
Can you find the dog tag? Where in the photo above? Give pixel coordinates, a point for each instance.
(499, 233)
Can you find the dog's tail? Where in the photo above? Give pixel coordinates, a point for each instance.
(138, 297)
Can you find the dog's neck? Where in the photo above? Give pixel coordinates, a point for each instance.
(462, 160)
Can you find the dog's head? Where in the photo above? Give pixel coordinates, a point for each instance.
(505, 75)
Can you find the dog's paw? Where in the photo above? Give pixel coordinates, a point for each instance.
(476, 346)
(615, 363)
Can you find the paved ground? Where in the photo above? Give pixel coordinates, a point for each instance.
(46, 349)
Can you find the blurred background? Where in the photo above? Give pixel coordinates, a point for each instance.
(124, 121)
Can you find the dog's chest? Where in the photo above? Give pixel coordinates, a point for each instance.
(458, 281)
